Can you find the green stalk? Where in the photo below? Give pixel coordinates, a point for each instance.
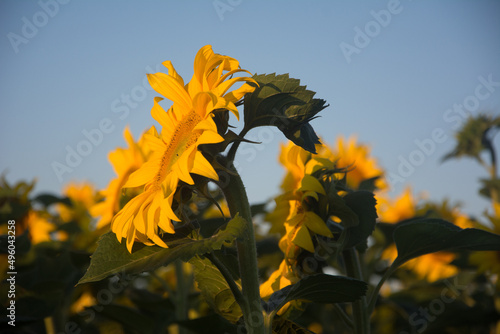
(238, 296)
(237, 201)
(182, 307)
(374, 293)
(359, 307)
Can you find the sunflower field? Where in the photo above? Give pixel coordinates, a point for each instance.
(172, 244)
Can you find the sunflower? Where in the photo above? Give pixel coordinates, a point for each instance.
(125, 161)
(357, 159)
(175, 153)
(291, 210)
(433, 266)
(280, 278)
(82, 196)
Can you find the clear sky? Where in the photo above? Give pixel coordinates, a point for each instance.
(395, 73)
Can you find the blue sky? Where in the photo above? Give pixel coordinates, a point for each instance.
(395, 73)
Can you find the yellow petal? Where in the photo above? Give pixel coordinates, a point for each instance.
(310, 183)
(302, 238)
(201, 102)
(316, 224)
(159, 114)
(221, 89)
(209, 137)
(203, 167)
(172, 72)
(130, 238)
(143, 175)
(183, 166)
(171, 89)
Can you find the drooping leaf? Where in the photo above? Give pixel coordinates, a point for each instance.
(424, 236)
(282, 102)
(319, 288)
(112, 257)
(215, 289)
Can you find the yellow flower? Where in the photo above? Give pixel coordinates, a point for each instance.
(125, 161)
(432, 266)
(85, 300)
(299, 228)
(290, 212)
(83, 196)
(175, 156)
(393, 211)
(294, 159)
(356, 158)
(39, 228)
(280, 278)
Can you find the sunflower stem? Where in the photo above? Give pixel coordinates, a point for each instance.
(182, 306)
(237, 201)
(359, 307)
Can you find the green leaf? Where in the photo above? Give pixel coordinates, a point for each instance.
(338, 208)
(369, 184)
(112, 257)
(320, 288)
(282, 102)
(215, 289)
(425, 236)
(362, 203)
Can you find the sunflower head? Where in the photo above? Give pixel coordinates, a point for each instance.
(178, 153)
